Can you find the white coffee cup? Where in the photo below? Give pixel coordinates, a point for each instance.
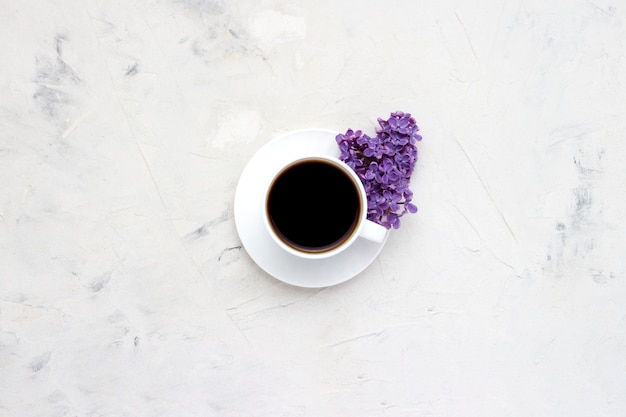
(316, 207)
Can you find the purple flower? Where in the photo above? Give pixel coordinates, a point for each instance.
(384, 163)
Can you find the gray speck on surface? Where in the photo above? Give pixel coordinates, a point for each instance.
(58, 44)
(227, 251)
(51, 100)
(100, 282)
(198, 233)
(582, 203)
(197, 49)
(132, 70)
(38, 363)
(598, 277)
(204, 229)
(55, 80)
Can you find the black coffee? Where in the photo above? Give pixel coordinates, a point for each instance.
(313, 206)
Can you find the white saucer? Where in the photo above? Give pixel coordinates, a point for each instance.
(249, 217)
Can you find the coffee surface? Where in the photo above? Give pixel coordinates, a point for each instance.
(313, 206)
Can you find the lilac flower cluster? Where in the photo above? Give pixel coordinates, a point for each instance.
(384, 163)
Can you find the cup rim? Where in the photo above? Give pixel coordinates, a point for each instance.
(359, 221)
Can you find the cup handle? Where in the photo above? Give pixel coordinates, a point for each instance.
(373, 231)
